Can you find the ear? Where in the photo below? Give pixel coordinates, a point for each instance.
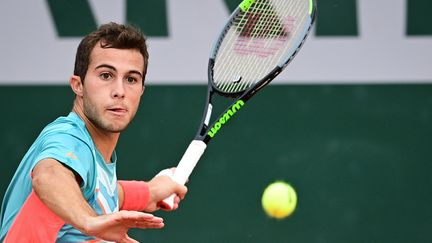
(143, 89)
(76, 85)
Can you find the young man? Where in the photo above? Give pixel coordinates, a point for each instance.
(65, 188)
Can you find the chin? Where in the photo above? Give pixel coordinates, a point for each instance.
(112, 127)
(116, 129)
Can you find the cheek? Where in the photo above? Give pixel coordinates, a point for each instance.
(134, 104)
(93, 98)
(136, 96)
(136, 101)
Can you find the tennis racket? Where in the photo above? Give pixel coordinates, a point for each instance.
(259, 40)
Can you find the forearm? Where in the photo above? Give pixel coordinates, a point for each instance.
(58, 189)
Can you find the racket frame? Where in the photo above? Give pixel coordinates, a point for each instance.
(198, 145)
(202, 133)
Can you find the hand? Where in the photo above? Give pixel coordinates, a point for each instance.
(114, 227)
(162, 186)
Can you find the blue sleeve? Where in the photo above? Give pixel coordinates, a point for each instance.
(71, 151)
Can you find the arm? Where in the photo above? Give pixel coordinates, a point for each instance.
(145, 196)
(58, 189)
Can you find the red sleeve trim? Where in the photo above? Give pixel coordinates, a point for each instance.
(35, 223)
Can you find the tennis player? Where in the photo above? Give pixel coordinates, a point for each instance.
(65, 188)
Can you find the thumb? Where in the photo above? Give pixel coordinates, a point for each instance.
(128, 240)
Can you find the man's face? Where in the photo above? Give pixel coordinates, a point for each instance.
(113, 87)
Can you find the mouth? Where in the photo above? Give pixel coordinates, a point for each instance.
(117, 110)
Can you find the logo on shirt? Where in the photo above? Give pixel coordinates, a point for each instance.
(71, 155)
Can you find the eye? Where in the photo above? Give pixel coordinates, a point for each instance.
(131, 80)
(106, 76)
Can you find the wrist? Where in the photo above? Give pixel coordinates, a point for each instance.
(84, 221)
(136, 195)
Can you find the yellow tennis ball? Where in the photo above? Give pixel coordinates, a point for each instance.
(279, 200)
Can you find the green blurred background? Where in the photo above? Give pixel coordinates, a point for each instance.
(358, 155)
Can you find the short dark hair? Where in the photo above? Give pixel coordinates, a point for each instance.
(111, 35)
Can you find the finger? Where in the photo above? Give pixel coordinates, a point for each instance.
(153, 220)
(128, 240)
(175, 206)
(149, 225)
(181, 191)
(134, 215)
(177, 200)
(143, 222)
(126, 217)
(157, 223)
(133, 219)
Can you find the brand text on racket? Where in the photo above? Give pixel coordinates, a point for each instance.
(225, 117)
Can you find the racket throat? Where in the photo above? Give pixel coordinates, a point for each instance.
(230, 112)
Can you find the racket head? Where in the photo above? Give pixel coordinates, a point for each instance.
(260, 38)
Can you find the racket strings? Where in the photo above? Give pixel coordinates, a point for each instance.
(268, 28)
(256, 42)
(258, 23)
(262, 18)
(245, 24)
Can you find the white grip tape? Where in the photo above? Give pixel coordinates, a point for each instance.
(185, 167)
(188, 161)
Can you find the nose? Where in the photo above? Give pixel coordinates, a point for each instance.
(118, 90)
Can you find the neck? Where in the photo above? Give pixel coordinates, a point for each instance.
(104, 141)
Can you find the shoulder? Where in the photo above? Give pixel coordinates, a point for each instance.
(67, 129)
(67, 141)
(66, 138)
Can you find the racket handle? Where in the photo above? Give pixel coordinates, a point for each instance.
(184, 169)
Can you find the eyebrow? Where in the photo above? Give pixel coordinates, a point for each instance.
(114, 69)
